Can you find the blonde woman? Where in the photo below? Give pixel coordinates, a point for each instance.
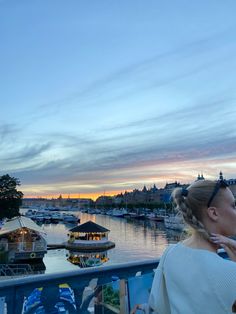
(191, 278)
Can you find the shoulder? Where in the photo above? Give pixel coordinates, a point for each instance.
(167, 251)
(225, 268)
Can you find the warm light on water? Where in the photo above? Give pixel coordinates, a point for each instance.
(135, 240)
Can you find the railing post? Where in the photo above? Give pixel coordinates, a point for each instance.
(10, 300)
(19, 301)
(2, 305)
(123, 297)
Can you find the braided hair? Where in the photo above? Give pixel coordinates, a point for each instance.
(191, 203)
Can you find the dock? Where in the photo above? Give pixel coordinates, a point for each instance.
(84, 247)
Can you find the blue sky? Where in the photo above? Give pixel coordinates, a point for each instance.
(111, 95)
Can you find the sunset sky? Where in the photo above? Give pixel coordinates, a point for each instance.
(106, 96)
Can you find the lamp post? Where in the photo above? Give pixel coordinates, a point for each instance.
(23, 232)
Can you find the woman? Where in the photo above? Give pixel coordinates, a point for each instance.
(191, 278)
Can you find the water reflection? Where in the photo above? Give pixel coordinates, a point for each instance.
(134, 239)
(87, 259)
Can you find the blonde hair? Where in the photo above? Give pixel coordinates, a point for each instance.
(192, 203)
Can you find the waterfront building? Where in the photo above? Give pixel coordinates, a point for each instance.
(232, 186)
(59, 203)
(231, 183)
(89, 236)
(21, 240)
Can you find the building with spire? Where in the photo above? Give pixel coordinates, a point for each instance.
(231, 183)
(200, 177)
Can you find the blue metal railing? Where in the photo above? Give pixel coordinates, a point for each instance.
(40, 293)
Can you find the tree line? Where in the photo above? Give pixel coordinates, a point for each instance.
(10, 197)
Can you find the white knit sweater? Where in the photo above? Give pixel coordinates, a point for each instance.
(193, 281)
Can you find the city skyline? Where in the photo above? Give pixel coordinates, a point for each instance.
(107, 96)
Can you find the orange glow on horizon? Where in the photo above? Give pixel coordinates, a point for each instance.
(93, 196)
(183, 172)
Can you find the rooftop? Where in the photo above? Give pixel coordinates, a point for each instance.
(89, 226)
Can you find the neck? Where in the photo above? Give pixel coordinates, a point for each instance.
(197, 241)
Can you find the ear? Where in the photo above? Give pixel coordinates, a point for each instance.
(212, 213)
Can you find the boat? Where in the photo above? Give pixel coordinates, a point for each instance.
(70, 218)
(109, 212)
(21, 239)
(156, 217)
(91, 211)
(51, 216)
(174, 222)
(137, 215)
(56, 216)
(119, 212)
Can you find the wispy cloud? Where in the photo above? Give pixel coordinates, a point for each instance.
(8, 131)
(200, 137)
(164, 115)
(145, 75)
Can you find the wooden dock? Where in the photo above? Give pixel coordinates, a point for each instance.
(95, 247)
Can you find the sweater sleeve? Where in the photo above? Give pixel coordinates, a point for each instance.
(225, 284)
(158, 300)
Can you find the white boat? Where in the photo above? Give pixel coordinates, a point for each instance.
(156, 217)
(91, 211)
(39, 216)
(70, 218)
(174, 222)
(119, 212)
(109, 212)
(56, 216)
(30, 213)
(136, 215)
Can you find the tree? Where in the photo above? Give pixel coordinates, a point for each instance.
(10, 198)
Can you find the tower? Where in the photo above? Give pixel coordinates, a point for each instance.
(221, 176)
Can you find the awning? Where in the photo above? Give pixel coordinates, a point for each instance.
(18, 223)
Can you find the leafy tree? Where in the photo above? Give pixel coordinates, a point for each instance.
(10, 198)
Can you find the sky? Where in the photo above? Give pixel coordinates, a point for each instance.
(99, 97)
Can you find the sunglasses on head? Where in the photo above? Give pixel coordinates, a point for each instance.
(219, 184)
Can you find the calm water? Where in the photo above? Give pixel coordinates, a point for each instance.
(134, 239)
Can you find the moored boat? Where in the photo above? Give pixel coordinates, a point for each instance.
(156, 217)
(70, 218)
(174, 222)
(21, 239)
(119, 212)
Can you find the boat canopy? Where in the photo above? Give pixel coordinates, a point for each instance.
(18, 223)
(88, 227)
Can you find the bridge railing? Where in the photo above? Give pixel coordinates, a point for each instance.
(92, 290)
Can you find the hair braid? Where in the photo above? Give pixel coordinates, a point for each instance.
(189, 216)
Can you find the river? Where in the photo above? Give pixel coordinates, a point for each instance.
(134, 240)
